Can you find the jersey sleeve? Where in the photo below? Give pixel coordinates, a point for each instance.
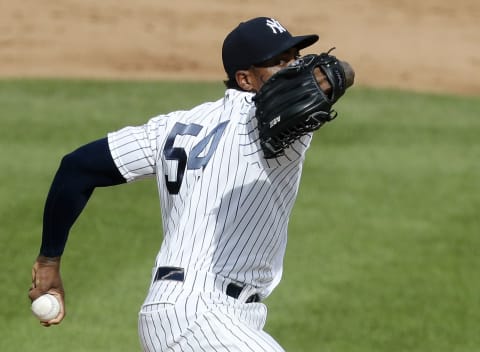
(134, 149)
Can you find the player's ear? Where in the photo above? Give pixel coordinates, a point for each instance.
(244, 80)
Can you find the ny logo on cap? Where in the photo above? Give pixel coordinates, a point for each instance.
(275, 26)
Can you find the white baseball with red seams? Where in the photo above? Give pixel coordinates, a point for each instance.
(46, 307)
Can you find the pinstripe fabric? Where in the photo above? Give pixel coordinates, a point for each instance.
(205, 322)
(225, 210)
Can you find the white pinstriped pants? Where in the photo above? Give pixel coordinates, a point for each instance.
(208, 322)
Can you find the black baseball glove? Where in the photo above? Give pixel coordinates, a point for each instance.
(291, 104)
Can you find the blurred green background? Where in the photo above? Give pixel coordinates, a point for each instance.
(384, 240)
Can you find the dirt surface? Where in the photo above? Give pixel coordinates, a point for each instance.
(428, 45)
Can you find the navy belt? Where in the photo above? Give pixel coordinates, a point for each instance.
(178, 274)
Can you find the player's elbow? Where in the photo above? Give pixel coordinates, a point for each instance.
(71, 163)
(74, 175)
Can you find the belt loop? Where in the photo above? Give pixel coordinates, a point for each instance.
(242, 293)
(245, 293)
(170, 273)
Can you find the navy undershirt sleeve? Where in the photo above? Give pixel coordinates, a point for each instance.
(79, 173)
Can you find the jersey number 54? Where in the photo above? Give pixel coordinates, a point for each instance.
(193, 160)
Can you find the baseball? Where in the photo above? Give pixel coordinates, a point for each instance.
(46, 307)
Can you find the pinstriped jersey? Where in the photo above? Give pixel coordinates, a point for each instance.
(225, 209)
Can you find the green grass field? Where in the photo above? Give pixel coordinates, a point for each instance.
(384, 244)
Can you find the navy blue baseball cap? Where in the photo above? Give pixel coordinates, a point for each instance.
(258, 40)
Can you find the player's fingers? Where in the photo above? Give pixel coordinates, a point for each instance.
(34, 276)
(34, 293)
(322, 80)
(31, 294)
(35, 290)
(349, 73)
(61, 314)
(58, 319)
(55, 321)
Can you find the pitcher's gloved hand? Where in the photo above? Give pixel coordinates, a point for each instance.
(298, 100)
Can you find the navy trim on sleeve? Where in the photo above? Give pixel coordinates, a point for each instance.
(80, 172)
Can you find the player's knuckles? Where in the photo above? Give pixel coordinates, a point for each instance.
(46, 279)
(59, 295)
(34, 293)
(349, 73)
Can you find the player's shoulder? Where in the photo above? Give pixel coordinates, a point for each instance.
(238, 105)
(235, 106)
(238, 98)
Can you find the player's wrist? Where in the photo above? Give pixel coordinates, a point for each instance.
(45, 260)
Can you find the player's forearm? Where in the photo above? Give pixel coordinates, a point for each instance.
(66, 200)
(79, 173)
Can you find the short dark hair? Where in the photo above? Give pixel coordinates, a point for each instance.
(231, 83)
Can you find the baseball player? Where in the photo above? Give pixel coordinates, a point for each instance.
(225, 207)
